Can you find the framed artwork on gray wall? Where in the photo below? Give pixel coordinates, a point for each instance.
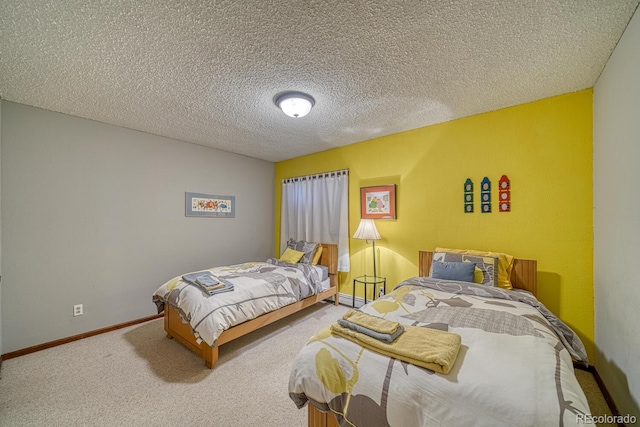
(209, 205)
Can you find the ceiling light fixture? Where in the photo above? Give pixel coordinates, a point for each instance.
(294, 104)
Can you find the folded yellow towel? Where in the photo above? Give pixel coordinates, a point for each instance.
(425, 347)
(368, 321)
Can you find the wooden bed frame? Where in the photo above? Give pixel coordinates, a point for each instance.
(524, 275)
(181, 332)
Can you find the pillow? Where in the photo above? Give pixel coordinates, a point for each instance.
(316, 256)
(505, 264)
(486, 269)
(308, 248)
(291, 256)
(462, 271)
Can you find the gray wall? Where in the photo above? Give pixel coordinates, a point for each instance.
(616, 156)
(0, 232)
(94, 214)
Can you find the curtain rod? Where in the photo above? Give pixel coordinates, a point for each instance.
(330, 174)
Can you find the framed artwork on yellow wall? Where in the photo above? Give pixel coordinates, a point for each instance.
(378, 202)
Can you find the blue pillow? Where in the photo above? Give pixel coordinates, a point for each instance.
(461, 271)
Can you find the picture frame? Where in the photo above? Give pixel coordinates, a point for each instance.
(209, 205)
(378, 202)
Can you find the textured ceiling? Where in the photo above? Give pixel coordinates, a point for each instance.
(206, 72)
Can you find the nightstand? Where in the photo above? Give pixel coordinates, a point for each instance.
(369, 280)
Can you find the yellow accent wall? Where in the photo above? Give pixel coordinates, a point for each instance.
(544, 147)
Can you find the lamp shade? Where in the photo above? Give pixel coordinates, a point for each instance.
(295, 104)
(367, 230)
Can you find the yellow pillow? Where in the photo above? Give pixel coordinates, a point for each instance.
(505, 263)
(291, 256)
(316, 256)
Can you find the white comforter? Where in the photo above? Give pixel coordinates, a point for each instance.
(514, 367)
(259, 288)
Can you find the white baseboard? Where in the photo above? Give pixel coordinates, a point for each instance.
(347, 299)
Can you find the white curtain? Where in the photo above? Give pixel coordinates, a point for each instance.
(315, 208)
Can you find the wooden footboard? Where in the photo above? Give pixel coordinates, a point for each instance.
(181, 332)
(318, 418)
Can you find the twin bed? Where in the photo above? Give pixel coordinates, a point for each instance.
(265, 292)
(514, 365)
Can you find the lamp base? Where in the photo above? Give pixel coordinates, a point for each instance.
(375, 272)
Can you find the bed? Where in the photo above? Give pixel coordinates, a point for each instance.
(514, 365)
(264, 292)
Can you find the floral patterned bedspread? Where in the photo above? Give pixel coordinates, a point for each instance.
(514, 367)
(259, 288)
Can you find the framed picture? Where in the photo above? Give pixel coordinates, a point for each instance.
(378, 202)
(198, 204)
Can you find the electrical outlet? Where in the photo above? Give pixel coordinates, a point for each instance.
(77, 310)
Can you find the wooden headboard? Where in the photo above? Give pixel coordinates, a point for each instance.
(329, 257)
(524, 274)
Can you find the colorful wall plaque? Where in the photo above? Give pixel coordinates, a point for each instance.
(504, 194)
(485, 195)
(468, 196)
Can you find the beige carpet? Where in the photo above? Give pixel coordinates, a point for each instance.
(136, 377)
(597, 403)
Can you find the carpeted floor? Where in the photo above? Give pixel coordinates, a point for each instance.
(136, 377)
(597, 403)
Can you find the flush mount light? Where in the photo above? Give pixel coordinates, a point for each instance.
(294, 104)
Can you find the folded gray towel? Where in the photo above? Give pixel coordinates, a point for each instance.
(207, 281)
(193, 277)
(197, 279)
(388, 338)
